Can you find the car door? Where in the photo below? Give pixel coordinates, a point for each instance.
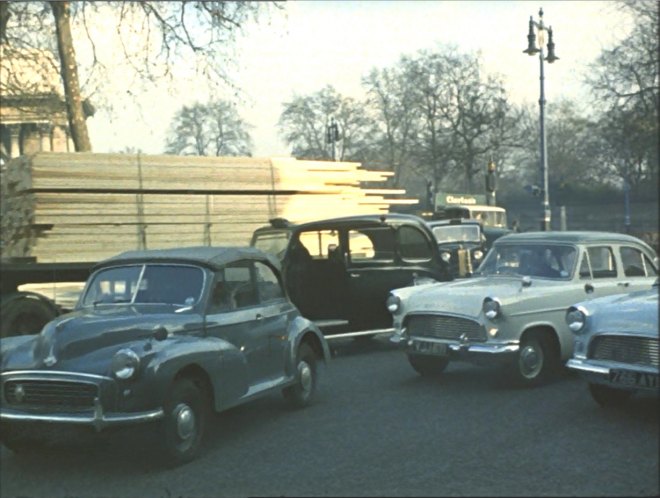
(235, 315)
(273, 319)
(374, 268)
(599, 271)
(639, 272)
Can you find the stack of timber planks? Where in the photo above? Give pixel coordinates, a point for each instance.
(65, 207)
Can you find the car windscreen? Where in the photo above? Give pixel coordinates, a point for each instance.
(534, 260)
(273, 242)
(457, 233)
(145, 284)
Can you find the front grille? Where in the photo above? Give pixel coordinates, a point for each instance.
(625, 349)
(50, 393)
(445, 327)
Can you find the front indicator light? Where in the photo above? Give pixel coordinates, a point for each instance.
(493, 332)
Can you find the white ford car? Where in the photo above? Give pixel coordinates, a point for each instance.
(512, 311)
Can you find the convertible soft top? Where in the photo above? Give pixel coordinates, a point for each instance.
(210, 256)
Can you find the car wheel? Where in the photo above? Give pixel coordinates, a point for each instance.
(608, 396)
(303, 391)
(26, 316)
(428, 366)
(535, 361)
(186, 416)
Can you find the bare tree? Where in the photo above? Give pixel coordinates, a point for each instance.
(626, 87)
(304, 125)
(213, 129)
(160, 40)
(391, 99)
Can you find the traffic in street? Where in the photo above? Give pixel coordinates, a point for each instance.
(378, 429)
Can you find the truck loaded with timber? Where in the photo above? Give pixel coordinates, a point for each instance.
(62, 213)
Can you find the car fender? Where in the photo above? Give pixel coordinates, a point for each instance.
(302, 329)
(221, 362)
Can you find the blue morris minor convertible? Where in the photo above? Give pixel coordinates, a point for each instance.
(617, 345)
(165, 337)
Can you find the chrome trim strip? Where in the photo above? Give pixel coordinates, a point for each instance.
(493, 348)
(97, 418)
(584, 367)
(359, 333)
(48, 374)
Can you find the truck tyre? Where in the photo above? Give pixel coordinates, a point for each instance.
(26, 315)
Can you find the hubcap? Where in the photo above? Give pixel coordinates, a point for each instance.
(531, 361)
(306, 380)
(185, 421)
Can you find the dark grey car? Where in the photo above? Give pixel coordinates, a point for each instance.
(163, 337)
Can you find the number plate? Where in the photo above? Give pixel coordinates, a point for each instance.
(433, 348)
(633, 379)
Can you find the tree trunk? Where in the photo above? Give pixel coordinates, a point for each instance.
(69, 69)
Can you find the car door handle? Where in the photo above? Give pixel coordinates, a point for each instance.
(355, 275)
(623, 284)
(259, 316)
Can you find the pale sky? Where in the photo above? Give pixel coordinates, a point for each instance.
(312, 44)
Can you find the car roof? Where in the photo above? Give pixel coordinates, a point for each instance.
(571, 237)
(213, 257)
(453, 222)
(354, 220)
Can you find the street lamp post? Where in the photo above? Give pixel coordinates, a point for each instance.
(551, 57)
(332, 135)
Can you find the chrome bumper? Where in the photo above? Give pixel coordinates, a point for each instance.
(600, 374)
(95, 418)
(466, 349)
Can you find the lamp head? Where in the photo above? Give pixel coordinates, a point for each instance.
(531, 40)
(551, 48)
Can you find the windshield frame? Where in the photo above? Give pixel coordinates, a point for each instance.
(94, 288)
(490, 261)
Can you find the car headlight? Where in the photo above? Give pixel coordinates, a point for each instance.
(478, 254)
(576, 318)
(491, 308)
(393, 303)
(125, 364)
(446, 256)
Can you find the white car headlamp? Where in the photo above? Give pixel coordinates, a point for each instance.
(478, 254)
(576, 318)
(125, 364)
(491, 308)
(446, 256)
(393, 303)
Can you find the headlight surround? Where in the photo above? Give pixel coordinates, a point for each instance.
(445, 256)
(125, 364)
(576, 319)
(491, 307)
(393, 303)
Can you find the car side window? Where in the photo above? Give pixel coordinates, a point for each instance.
(268, 285)
(239, 280)
(221, 296)
(601, 261)
(371, 245)
(635, 263)
(413, 245)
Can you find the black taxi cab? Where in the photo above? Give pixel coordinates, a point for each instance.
(339, 271)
